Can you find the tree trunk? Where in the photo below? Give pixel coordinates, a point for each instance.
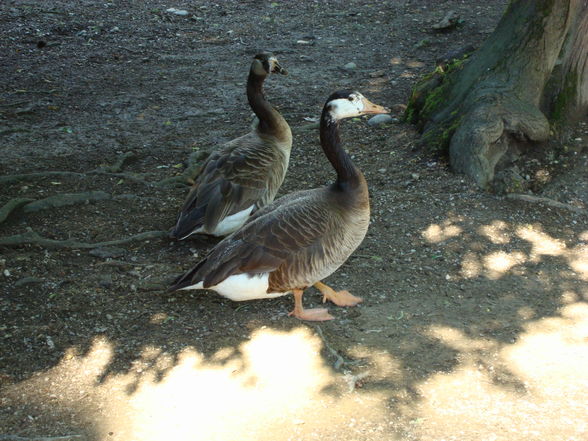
(528, 78)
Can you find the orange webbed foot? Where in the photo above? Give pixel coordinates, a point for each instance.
(312, 315)
(339, 298)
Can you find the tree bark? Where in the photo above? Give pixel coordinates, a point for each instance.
(528, 78)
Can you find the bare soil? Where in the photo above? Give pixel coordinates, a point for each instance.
(474, 324)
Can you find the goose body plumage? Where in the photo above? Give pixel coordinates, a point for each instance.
(299, 239)
(290, 244)
(246, 173)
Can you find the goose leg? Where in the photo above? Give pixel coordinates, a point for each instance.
(339, 298)
(314, 315)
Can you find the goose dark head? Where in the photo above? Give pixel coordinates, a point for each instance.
(265, 63)
(348, 103)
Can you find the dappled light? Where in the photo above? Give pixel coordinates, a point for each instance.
(278, 386)
(496, 264)
(543, 244)
(497, 232)
(499, 262)
(438, 233)
(549, 399)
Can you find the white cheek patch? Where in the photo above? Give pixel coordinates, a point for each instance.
(343, 108)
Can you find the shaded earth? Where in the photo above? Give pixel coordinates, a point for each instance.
(474, 321)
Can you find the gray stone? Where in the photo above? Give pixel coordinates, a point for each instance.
(181, 12)
(378, 120)
(105, 281)
(350, 66)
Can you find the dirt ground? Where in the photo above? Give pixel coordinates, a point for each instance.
(474, 324)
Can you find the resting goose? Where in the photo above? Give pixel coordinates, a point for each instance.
(301, 238)
(244, 174)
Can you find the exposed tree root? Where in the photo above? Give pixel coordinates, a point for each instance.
(66, 199)
(119, 163)
(40, 438)
(189, 174)
(482, 137)
(127, 176)
(12, 205)
(62, 200)
(10, 179)
(186, 178)
(174, 180)
(546, 201)
(33, 238)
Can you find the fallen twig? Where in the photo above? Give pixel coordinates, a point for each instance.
(545, 201)
(33, 238)
(339, 360)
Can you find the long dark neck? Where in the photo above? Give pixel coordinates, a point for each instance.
(347, 172)
(270, 120)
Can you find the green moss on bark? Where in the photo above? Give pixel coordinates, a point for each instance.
(437, 139)
(428, 97)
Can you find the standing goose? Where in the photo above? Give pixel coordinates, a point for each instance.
(300, 238)
(246, 173)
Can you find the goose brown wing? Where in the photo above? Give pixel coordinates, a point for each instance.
(231, 180)
(291, 228)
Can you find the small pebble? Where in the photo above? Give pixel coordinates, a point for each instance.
(350, 66)
(377, 73)
(380, 119)
(175, 11)
(105, 281)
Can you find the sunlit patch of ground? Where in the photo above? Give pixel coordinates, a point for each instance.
(277, 386)
(549, 361)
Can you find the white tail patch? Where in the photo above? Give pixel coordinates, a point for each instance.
(226, 226)
(232, 223)
(243, 287)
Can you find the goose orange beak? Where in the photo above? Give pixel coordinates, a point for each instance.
(370, 108)
(276, 68)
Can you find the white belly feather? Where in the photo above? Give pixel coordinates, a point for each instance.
(243, 287)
